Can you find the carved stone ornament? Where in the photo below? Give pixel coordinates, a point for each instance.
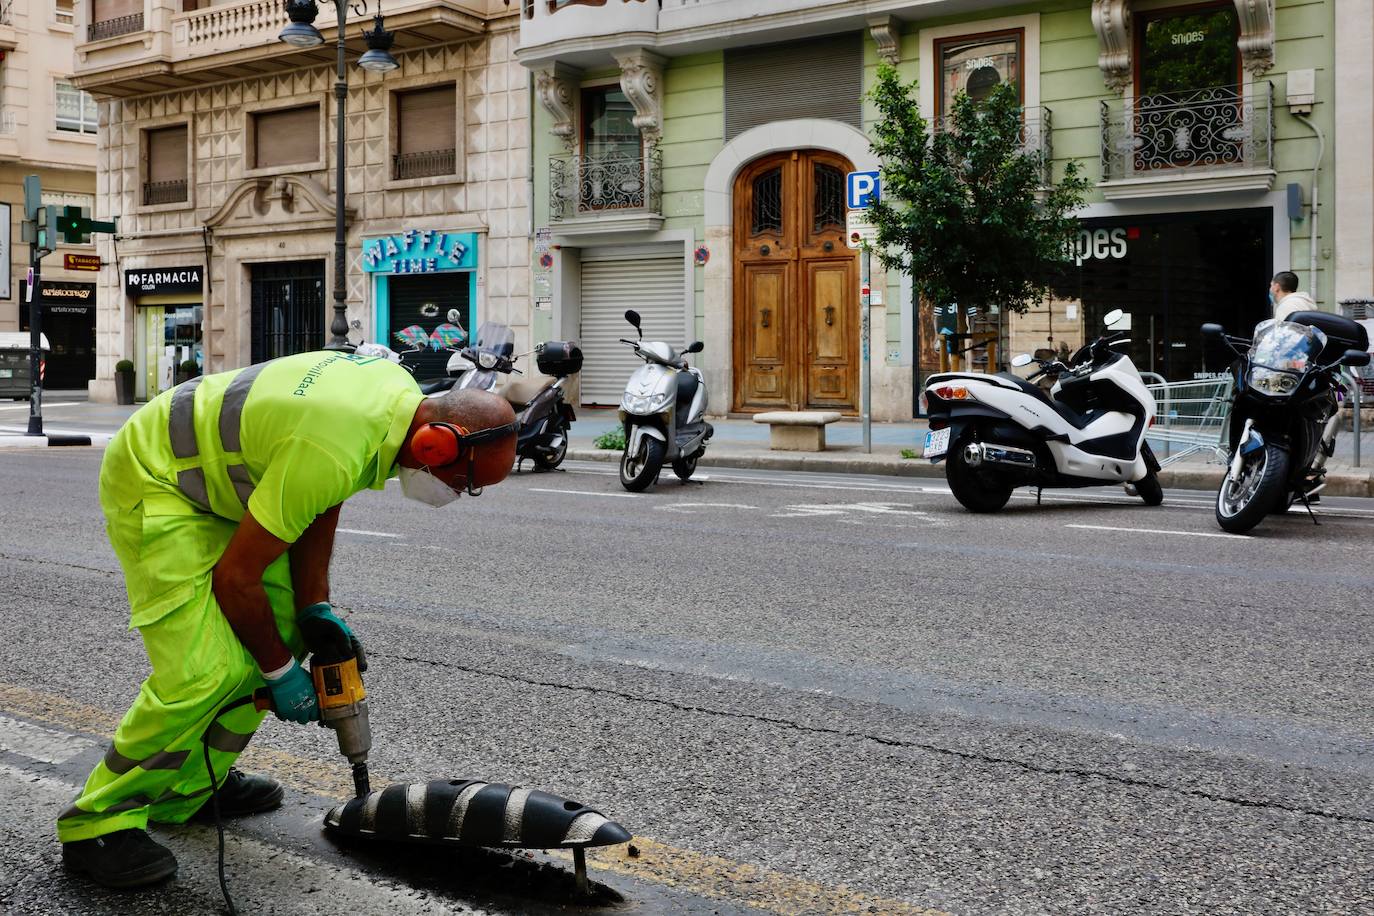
(1112, 23)
(887, 35)
(641, 79)
(261, 205)
(1256, 34)
(557, 88)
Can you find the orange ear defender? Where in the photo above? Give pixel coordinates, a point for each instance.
(436, 444)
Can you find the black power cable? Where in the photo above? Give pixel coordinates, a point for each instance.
(214, 799)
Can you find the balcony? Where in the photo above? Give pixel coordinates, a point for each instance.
(156, 193)
(610, 192)
(430, 164)
(1199, 142)
(113, 28)
(171, 49)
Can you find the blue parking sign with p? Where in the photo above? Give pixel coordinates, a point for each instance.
(862, 190)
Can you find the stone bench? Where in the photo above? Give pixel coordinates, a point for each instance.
(797, 431)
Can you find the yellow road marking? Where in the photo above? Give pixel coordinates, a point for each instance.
(695, 873)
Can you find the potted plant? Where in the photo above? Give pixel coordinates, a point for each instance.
(188, 370)
(124, 382)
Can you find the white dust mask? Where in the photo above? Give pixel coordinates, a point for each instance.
(422, 486)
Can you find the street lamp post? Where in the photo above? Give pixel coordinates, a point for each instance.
(301, 33)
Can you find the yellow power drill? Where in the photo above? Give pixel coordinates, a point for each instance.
(336, 667)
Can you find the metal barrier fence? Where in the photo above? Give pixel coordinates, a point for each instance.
(1190, 419)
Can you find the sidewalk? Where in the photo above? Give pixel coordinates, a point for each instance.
(737, 443)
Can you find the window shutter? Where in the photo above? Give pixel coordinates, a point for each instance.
(105, 10)
(167, 154)
(286, 137)
(427, 120)
(822, 78)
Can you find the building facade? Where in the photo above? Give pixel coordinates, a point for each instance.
(217, 152)
(48, 129)
(690, 154)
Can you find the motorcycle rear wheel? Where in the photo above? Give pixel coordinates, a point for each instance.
(639, 471)
(976, 492)
(547, 461)
(1262, 488)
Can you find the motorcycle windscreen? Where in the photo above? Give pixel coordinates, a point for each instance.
(480, 380)
(1286, 346)
(496, 337)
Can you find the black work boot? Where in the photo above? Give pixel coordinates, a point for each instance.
(125, 858)
(241, 794)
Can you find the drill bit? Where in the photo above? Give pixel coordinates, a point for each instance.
(361, 784)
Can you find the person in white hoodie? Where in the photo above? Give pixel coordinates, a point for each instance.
(1285, 296)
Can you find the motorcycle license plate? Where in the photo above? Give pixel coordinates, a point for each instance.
(937, 443)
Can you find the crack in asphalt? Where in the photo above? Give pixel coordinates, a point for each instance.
(44, 562)
(970, 756)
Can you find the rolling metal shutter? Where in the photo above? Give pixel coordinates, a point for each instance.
(652, 286)
(822, 78)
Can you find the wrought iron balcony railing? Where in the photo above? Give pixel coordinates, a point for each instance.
(1224, 127)
(164, 192)
(1037, 132)
(112, 28)
(580, 185)
(428, 164)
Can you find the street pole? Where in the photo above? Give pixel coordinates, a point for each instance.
(338, 328)
(866, 299)
(35, 298)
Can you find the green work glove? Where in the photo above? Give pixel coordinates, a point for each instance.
(293, 695)
(323, 630)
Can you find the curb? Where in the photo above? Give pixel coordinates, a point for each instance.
(51, 440)
(1345, 482)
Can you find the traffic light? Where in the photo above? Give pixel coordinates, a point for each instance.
(44, 229)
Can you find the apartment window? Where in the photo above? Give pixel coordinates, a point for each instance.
(111, 18)
(164, 170)
(76, 111)
(63, 12)
(1183, 52)
(612, 172)
(426, 132)
(288, 136)
(975, 64)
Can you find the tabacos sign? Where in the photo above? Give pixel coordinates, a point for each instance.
(1101, 244)
(152, 281)
(420, 251)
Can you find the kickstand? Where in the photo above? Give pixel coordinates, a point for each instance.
(1038, 491)
(1308, 506)
(580, 871)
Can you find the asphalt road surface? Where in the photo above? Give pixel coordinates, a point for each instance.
(802, 693)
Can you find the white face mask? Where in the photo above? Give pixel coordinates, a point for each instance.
(422, 486)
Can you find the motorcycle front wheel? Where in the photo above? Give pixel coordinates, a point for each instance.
(684, 468)
(1260, 488)
(640, 470)
(976, 491)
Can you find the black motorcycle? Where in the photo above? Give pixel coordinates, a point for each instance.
(1284, 412)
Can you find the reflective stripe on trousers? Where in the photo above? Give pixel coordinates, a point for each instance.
(181, 430)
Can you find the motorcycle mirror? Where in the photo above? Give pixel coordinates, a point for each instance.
(1112, 317)
(1212, 330)
(1355, 358)
(453, 317)
(1022, 360)
(632, 317)
(696, 346)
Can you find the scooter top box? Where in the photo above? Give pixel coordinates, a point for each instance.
(559, 358)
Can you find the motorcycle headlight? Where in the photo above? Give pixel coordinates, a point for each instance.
(644, 404)
(1272, 382)
(487, 360)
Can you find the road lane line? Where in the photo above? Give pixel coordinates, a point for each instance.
(683, 870)
(585, 493)
(371, 534)
(46, 405)
(1191, 534)
(39, 743)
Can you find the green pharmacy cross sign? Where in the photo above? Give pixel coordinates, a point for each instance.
(76, 225)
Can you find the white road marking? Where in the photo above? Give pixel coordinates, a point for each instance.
(691, 508)
(585, 493)
(1191, 534)
(38, 743)
(371, 534)
(46, 405)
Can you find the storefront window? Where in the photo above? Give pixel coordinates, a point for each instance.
(183, 356)
(975, 64)
(1181, 53)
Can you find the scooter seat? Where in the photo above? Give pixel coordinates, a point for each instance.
(519, 392)
(1071, 416)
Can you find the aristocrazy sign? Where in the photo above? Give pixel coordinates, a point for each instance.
(420, 251)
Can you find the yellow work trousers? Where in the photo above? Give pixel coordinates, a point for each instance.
(155, 769)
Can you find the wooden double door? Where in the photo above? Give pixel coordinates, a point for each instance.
(796, 291)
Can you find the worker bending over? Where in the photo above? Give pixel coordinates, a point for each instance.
(221, 499)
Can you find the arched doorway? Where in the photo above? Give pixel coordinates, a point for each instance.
(796, 297)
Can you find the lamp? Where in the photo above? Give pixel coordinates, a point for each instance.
(377, 58)
(301, 33)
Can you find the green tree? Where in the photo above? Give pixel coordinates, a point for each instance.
(965, 208)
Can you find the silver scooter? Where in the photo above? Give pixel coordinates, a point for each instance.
(663, 411)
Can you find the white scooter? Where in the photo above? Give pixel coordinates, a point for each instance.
(1001, 431)
(663, 411)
